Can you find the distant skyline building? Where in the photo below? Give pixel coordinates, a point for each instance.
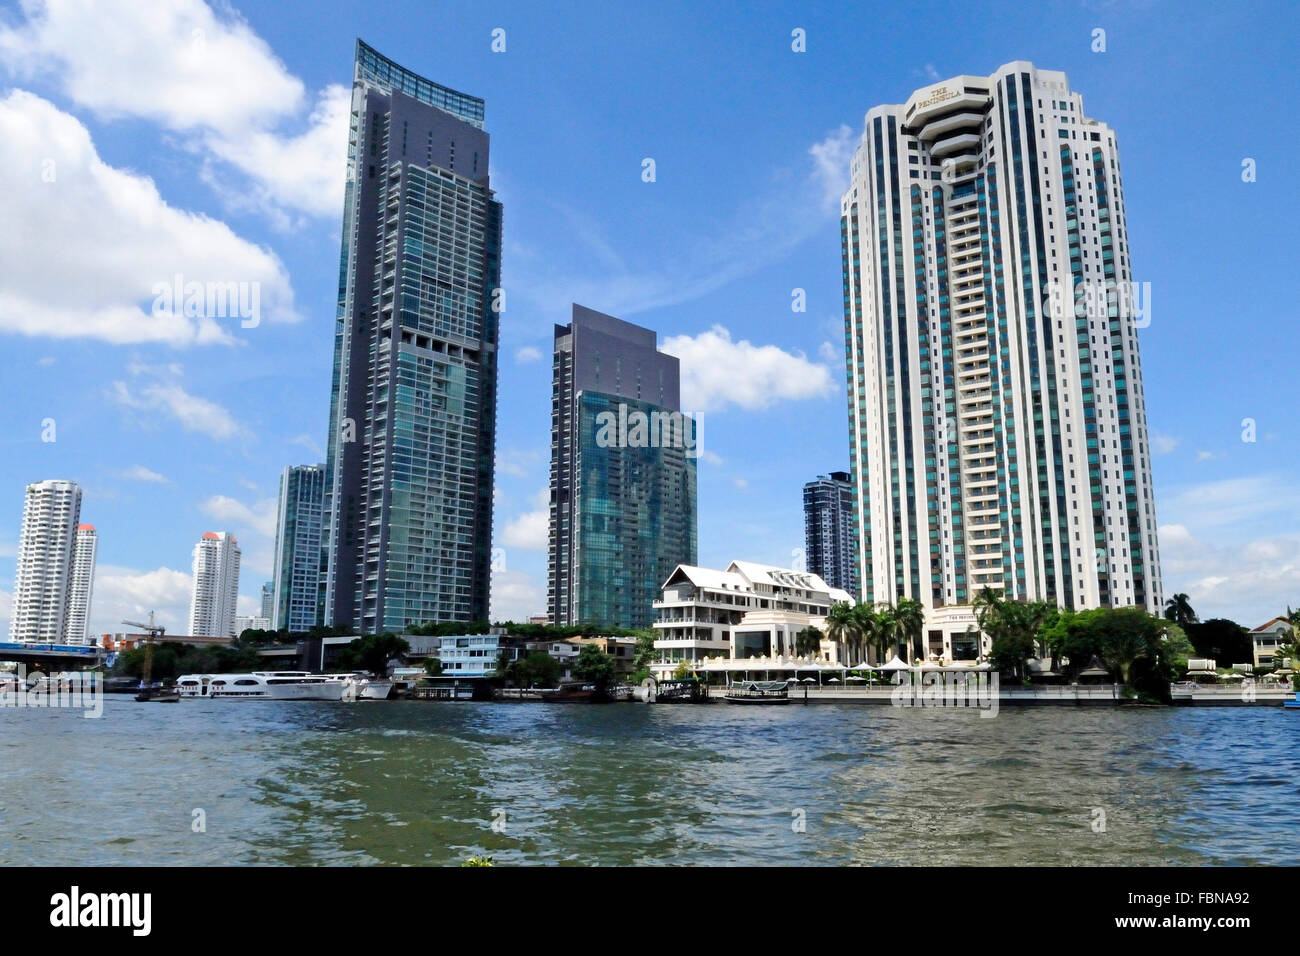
(623, 473)
(828, 530)
(998, 434)
(247, 622)
(298, 600)
(413, 409)
(43, 582)
(268, 597)
(82, 583)
(215, 595)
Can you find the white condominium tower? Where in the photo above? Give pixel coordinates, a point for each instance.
(216, 586)
(43, 583)
(82, 583)
(997, 431)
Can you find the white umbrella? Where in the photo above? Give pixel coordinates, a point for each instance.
(895, 664)
(810, 680)
(833, 680)
(860, 680)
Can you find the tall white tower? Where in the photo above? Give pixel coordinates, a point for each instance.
(216, 585)
(42, 585)
(998, 434)
(82, 584)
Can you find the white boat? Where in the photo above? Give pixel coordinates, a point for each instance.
(262, 685)
(359, 685)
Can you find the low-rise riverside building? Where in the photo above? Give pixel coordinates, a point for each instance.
(748, 610)
(1266, 639)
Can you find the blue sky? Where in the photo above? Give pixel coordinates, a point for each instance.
(138, 140)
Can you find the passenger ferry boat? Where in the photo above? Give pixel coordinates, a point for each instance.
(758, 692)
(263, 685)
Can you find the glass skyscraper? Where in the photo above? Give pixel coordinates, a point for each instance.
(998, 435)
(297, 603)
(623, 473)
(828, 530)
(413, 412)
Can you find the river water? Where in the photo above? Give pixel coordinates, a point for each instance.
(405, 782)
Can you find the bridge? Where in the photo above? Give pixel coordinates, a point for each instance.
(48, 657)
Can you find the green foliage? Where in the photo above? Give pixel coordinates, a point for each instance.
(594, 665)
(449, 628)
(256, 637)
(373, 652)
(808, 642)
(538, 669)
(1015, 628)
(172, 660)
(1222, 640)
(683, 671)
(1179, 610)
(554, 632)
(478, 861)
(432, 666)
(645, 651)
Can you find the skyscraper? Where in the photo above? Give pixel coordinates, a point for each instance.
(81, 583)
(622, 473)
(46, 543)
(268, 598)
(216, 585)
(296, 595)
(413, 412)
(998, 436)
(828, 530)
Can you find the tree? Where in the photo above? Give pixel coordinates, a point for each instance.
(808, 642)
(432, 666)
(871, 630)
(1015, 628)
(594, 666)
(910, 616)
(1179, 610)
(373, 652)
(842, 627)
(683, 671)
(645, 650)
(1222, 640)
(538, 669)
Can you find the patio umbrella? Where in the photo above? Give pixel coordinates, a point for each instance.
(860, 680)
(895, 664)
(833, 680)
(809, 680)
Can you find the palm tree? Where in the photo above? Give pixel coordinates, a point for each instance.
(808, 642)
(887, 625)
(1179, 610)
(870, 633)
(910, 614)
(842, 625)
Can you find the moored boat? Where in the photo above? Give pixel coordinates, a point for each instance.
(262, 685)
(758, 692)
(570, 694)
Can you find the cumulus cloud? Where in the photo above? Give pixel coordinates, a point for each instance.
(87, 248)
(259, 517)
(204, 74)
(141, 473)
(164, 397)
(832, 158)
(1163, 444)
(530, 531)
(1248, 582)
(718, 372)
(129, 594)
(527, 354)
(516, 596)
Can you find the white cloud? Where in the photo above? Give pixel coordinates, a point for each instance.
(712, 458)
(1248, 582)
(1205, 455)
(832, 158)
(1247, 506)
(6, 608)
(85, 244)
(515, 596)
(202, 74)
(310, 443)
(520, 463)
(717, 372)
(127, 594)
(527, 354)
(1163, 444)
(259, 517)
(741, 483)
(141, 473)
(530, 531)
(829, 353)
(167, 398)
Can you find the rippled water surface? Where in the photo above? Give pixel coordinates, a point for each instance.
(421, 783)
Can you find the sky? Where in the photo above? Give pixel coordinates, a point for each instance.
(143, 141)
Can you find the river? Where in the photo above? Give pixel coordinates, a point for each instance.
(404, 782)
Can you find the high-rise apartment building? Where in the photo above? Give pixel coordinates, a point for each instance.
(297, 596)
(998, 436)
(81, 584)
(216, 586)
(43, 585)
(828, 530)
(623, 473)
(268, 598)
(413, 411)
